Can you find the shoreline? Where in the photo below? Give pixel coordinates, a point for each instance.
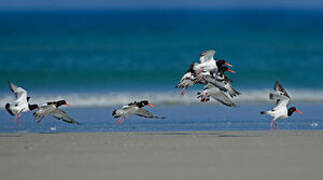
(244, 155)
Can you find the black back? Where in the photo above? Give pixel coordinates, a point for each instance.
(57, 103)
(32, 107)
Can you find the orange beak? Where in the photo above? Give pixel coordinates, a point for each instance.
(228, 64)
(232, 71)
(68, 105)
(150, 105)
(299, 111)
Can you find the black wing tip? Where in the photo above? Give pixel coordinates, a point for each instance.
(262, 112)
(277, 83)
(271, 96)
(11, 84)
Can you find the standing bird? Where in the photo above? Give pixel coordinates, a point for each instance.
(282, 100)
(21, 104)
(51, 108)
(134, 108)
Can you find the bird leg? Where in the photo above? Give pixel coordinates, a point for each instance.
(183, 91)
(272, 125)
(40, 119)
(276, 124)
(15, 118)
(19, 118)
(123, 117)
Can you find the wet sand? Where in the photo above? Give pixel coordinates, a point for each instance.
(171, 155)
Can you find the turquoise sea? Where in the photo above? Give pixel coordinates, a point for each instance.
(100, 60)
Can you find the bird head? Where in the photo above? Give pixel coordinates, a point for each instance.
(221, 62)
(146, 103)
(292, 110)
(61, 102)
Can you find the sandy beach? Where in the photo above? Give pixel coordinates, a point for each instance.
(242, 155)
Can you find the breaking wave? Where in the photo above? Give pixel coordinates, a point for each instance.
(161, 98)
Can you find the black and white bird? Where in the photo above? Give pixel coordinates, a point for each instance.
(280, 111)
(208, 63)
(221, 81)
(219, 88)
(52, 108)
(134, 108)
(21, 104)
(198, 71)
(211, 90)
(188, 80)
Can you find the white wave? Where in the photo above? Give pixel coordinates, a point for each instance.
(161, 98)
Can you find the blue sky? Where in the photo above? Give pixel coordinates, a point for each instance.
(159, 4)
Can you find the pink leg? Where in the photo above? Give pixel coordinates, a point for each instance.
(123, 117)
(183, 91)
(272, 126)
(276, 125)
(19, 118)
(15, 118)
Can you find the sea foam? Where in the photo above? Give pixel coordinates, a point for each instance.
(161, 98)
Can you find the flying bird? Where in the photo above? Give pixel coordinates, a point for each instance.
(52, 108)
(134, 108)
(280, 111)
(21, 104)
(197, 73)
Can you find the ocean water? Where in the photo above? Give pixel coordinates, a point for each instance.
(178, 118)
(99, 60)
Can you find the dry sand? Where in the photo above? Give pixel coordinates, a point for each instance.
(174, 155)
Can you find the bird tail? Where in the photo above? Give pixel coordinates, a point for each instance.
(8, 109)
(263, 112)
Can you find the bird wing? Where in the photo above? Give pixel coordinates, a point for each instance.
(62, 115)
(21, 94)
(146, 114)
(279, 89)
(281, 100)
(44, 111)
(207, 56)
(280, 95)
(219, 95)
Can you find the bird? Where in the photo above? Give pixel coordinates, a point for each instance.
(208, 63)
(280, 111)
(199, 70)
(218, 87)
(21, 104)
(134, 108)
(187, 80)
(52, 108)
(220, 80)
(211, 90)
